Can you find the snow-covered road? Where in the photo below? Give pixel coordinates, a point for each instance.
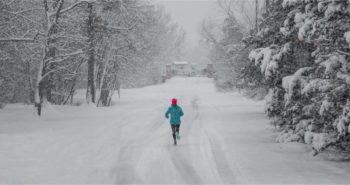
(226, 139)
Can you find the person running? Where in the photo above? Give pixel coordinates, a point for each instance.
(175, 113)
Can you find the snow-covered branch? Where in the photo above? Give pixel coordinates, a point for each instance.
(22, 38)
(22, 16)
(69, 8)
(61, 58)
(124, 28)
(11, 39)
(59, 8)
(55, 70)
(343, 52)
(123, 57)
(28, 10)
(70, 37)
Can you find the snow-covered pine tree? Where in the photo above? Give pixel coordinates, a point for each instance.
(304, 57)
(325, 89)
(273, 56)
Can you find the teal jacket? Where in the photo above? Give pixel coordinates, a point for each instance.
(175, 113)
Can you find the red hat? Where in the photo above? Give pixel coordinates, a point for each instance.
(174, 101)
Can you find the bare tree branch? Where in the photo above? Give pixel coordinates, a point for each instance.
(20, 39)
(69, 8)
(61, 58)
(17, 40)
(22, 16)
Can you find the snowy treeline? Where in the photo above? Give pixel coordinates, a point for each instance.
(300, 53)
(229, 53)
(50, 48)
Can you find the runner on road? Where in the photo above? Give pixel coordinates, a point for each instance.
(175, 113)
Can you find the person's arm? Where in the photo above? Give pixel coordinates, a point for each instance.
(181, 112)
(167, 113)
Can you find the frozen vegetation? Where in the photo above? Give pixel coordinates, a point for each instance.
(51, 48)
(299, 54)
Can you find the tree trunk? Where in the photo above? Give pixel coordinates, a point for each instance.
(90, 93)
(37, 94)
(71, 92)
(267, 6)
(30, 83)
(104, 93)
(42, 86)
(256, 15)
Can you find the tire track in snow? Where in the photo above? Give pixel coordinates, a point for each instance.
(184, 168)
(132, 150)
(220, 160)
(127, 158)
(125, 170)
(151, 131)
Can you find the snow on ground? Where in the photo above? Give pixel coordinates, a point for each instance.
(225, 139)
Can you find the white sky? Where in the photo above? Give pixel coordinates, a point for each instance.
(189, 14)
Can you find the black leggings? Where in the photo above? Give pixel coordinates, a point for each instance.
(175, 128)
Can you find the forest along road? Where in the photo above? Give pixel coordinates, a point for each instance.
(225, 139)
